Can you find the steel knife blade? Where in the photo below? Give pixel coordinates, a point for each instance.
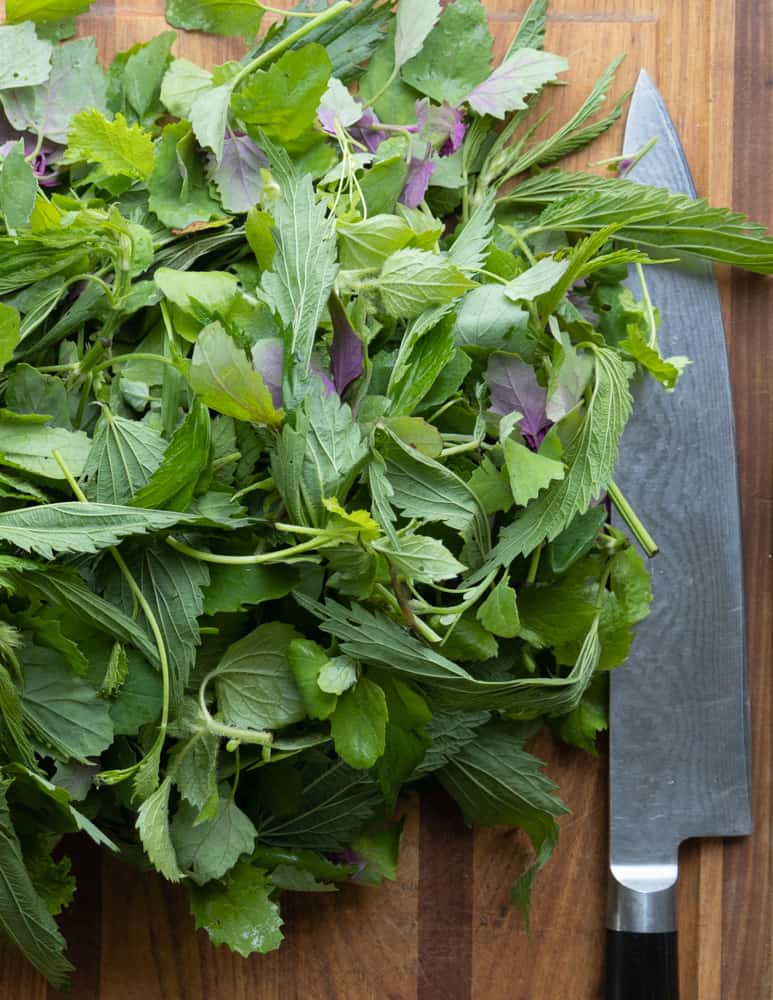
(679, 710)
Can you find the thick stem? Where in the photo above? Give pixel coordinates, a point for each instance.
(635, 526)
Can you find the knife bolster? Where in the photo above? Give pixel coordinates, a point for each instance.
(642, 898)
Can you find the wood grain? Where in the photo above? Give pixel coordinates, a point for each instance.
(444, 930)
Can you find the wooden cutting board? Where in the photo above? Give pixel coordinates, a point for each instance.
(444, 930)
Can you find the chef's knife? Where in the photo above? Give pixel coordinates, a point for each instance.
(679, 730)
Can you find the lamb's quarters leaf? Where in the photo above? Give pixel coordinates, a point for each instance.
(221, 375)
(187, 456)
(589, 457)
(415, 20)
(80, 527)
(29, 447)
(378, 641)
(304, 268)
(135, 77)
(18, 188)
(255, 686)
(413, 280)
(665, 370)
(24, 918)
(25, 60)
(29, 391)
(522, 73)
(421, 558)
(209, 118)
(488, 320)
(556, 613)
(120, 149)
(335, 807)
(220, 17)
(418, 434)
(172, 584)
(9, 333)
(124, 455)
(499, 612)
(383, 183)
(235, 588)
(540, 278)
(531, 30)
(179, 192)
(155, 834)
(456, 56)
(491, 486)
(238, 176)
(282, 101)
(64, 713)
(239, 913)
(307, 660)
(212, 848)
(183, 82)
(529, 472)
(368, 243)
(52, 880)
(450, 733)
(76, 82)
(43, 11)
(647, 216)
(291, 879)
(198, 293)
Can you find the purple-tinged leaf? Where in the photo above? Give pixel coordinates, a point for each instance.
(238, 177)
(318, 369)
(514, 388)
(366, 133)
(442, 127)
(419, 175)
(346, 355)
(337, 104)
(268, 362)
(523, 73)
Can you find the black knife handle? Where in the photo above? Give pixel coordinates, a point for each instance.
(642, 966)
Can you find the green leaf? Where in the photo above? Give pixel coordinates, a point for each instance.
(457, 55)
(304, 267)
(211, 849)
(172, 585)
(123, 457)
(193, 764)
(450, 733)
(282, 101)
(488, 320)
(236, 588)
(221, 17)
(18, 188)
(179, 192)
(469, 641)
(531, 30)
(209, 118)
(368, 243)
(581, 726)
(665, 370)
(24, 60)
(155, 834)
(421, 364)
(239, 913)
(590, 458)
(222, 376)
(540, 278)
(183, 82)
(647, 216)
(173, 483)
(576, 540)
(239, 175)
(75, 82)
(53, 880)
(9, 333)
(499, 612)
(381, 851)
(140, 698)
(255, 686)
(24, 918)
(307, 659)
(523, 72)
(135, 76)
(491, 487)
(413, 280)
(64, 712)
(79, 527)
(415, 20)
(421, 559)
(120, 149)
(529, 472)
(358, 724)
(30, 447)
(42, 11)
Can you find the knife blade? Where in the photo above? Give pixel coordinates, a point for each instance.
(679, 710)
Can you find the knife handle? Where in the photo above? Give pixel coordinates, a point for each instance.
(642, 966)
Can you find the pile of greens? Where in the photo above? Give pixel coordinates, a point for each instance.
(307, 445)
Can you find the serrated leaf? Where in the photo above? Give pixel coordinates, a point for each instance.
(529, 472)
(531, 30)
(523, 72)
(178, 187)
(154, 831)
(414, 280)
(666, 370)
(211, 849)
(123, 457)
(115, 146)
(225, 380)
(30, 447)
(183, 82)
(236, 588)
(221, 17)
(421, 558)
(25, 60)
(239, 913)
(537, 280)
(173, 483)
(499, 612)
(9, 333)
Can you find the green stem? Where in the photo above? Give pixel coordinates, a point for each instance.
(520, 241)
(287, 13)
(287, 43)
(255, 560)
(219, 463)
(264, 484)
(635, 526)
(534, 564)
(380, 93)
(121, 359)
(251, 736)
(648, 309)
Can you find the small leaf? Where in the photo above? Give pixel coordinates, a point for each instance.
(540, 278)
(43, 11)
(183, 82)
(413, 280)
(358, 724)
(212, 848)
(9, 333)
(307, 659)
(116, 147)
(529, 472)
(155, 834)
(209, 118)
(421, 559)
(239, 913)
(499, 612)
(337, 675)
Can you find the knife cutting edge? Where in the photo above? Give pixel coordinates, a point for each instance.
(679, 710)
